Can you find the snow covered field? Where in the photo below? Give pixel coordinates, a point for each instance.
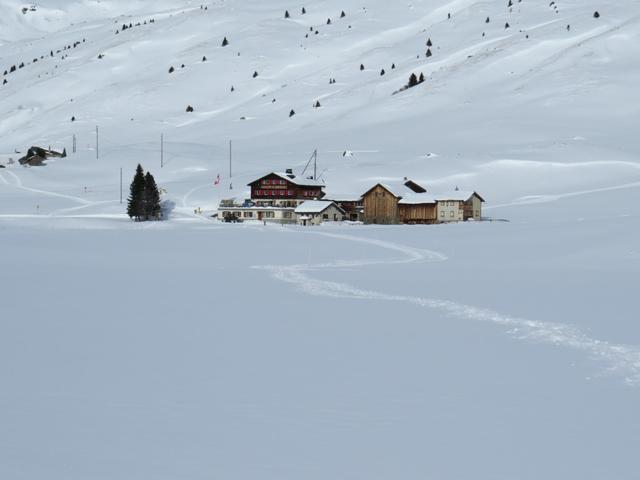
(194, 349)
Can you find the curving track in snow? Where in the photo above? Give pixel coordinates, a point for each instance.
(620, 360)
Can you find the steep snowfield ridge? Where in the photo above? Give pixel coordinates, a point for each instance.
(535, 109)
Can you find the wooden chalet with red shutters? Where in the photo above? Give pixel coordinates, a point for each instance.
(285, 189)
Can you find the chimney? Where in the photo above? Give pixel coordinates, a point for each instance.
(289, 172)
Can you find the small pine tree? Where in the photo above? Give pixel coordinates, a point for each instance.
(342, 15)
(204, 59)
(135, 202)
(429, 44)
(393, 66)
(171, 69)
(428, 52)
(596, 14)
(510, 4)
(225, 42)
(286, 14)
(487, 20)
(255, 74)
(304, 11)
(361, 67)
(382, 72)
(421, 79)
(189, 109)
(328, 21)
(506, 25)
(413, 80)
(5, 81)
(317, 105)
(292, 113)
(151, 198)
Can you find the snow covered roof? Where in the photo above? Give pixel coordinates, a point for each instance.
(300, 181)
(401, 188)
(417, 199)
(420, 198)
(314, 206)
(459, 195)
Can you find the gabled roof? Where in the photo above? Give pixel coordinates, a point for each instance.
(459, 195)
(315, 206)
(300, 181)
(423, 198)
(400, 188)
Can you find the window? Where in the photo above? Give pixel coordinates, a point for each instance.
(248, 214)
(286, 214)
(266, 182)
(281, 193)
(442, 214)
(290, 193)
(269, 214)
(282, 182)
(325, 216)
(451, 214)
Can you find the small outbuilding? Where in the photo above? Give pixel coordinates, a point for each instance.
(315, 212)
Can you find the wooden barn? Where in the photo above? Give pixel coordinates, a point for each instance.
(410, 203)
(382, 201)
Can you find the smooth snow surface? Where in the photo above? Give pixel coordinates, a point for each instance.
(195, 349)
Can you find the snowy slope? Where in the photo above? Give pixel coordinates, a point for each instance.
(194, 349)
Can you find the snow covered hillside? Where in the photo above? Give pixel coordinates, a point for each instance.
(194, 349)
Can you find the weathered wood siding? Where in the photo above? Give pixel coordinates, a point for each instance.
(381, 206)
(423, 213)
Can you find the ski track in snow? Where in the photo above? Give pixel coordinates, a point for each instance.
(619, 360)
(18, 184)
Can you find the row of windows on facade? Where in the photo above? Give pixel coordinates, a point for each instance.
(452, 214)
(284, 193)
(277, 181)
(251, 214)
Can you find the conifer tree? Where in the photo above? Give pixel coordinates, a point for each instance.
(429, 44)
(361, 67)
(506, 25)
(428, 52)
(413, 80)
(151, 197)
(317, 105)
(596, 14)
(328, 21)
(286, 14)
(135, 202)
(292, 113)
(171, 70)
(304, 10)
(342, 15)
(421, 79)
(225, 42)
(382, 72)
(487, 20)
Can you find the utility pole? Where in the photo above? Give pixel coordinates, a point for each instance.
(97, 145)
(230, 166)
(121, 185)
(315, 164)
(74, 148)
(161, 150)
